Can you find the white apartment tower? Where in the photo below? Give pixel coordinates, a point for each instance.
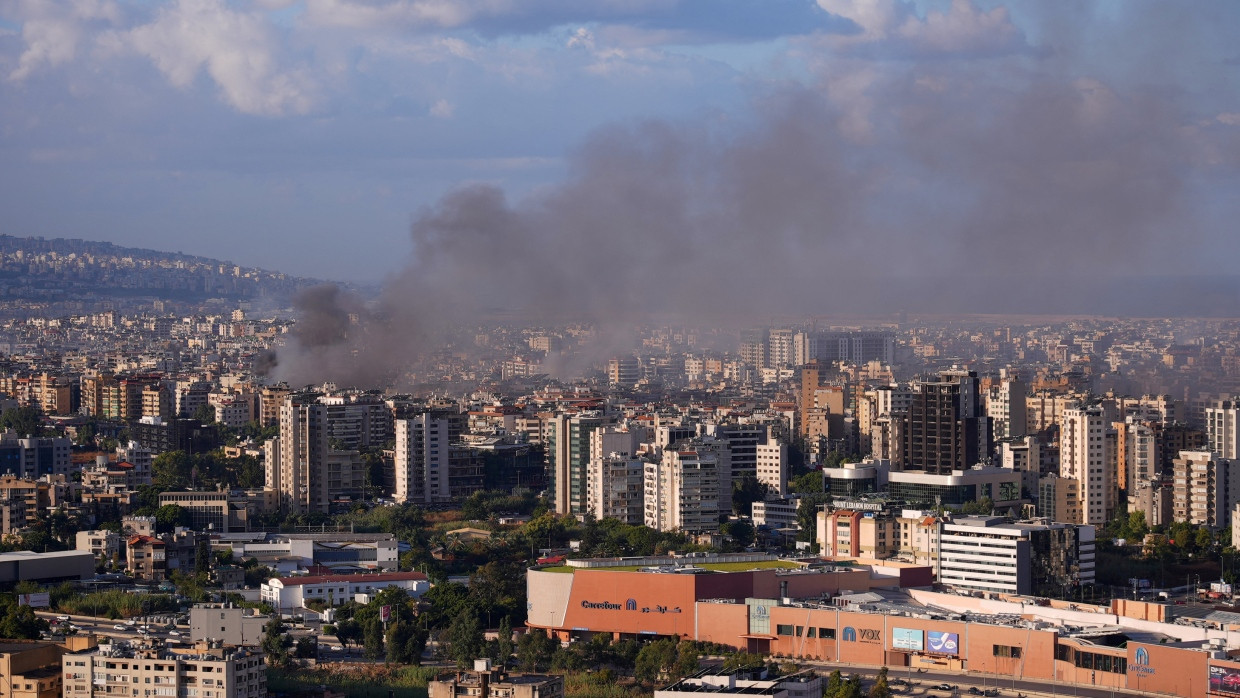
(315, 460)
(422, 459)
(616, 489)
(688, 488)
(772, 466)
(1082, 457)
(1222, 436)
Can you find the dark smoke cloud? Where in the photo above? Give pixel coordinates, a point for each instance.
(942, 194)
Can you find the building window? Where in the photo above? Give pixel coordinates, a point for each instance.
(783, 630)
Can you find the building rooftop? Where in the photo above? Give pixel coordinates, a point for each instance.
(19, 555)
(350, 578)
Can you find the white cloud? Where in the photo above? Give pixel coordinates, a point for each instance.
(1229, 118)
(442, 109)
(892, 24)
(874, 17)
(963, 28)
(53, 30)
(582, 38)
(237, 50)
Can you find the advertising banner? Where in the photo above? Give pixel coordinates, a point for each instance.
(42, 600)
(1224, 680)
(944, 643)
(906, 639)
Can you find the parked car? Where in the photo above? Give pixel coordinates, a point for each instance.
(63, 619)
(946, 687)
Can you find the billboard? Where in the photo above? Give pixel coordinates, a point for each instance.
(1224, 680)
(385, 613)
(944, 643)
(906, 639)
(42, 600)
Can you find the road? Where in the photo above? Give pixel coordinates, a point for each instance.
(108, 627)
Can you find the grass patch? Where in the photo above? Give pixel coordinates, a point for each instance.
(358, 681)
(713, 566)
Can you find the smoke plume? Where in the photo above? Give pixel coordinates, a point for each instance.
(935, 193)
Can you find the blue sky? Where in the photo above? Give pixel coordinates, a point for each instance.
(312, 136)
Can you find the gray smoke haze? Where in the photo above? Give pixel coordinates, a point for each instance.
(941, 194)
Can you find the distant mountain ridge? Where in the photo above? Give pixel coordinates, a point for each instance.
(72, 274)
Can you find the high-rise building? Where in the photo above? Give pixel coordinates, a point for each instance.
(1137, 458)
(943, 429)
(568, 452)
(780, 349)
(615, 488)
(754, 345)
(1222, 432)
(989, 553)
(1005, 405)
(624, 371)
(317, 451)
(689, 488)
(1206, 486)
(1083, 457)
(422, 450)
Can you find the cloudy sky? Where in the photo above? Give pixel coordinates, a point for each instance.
(362, 139)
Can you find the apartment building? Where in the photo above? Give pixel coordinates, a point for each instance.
(486, 681)
(207, 670)
(989, 553)
(1083, 457)
(615, 488)
(218, 512)
(1204, 488)
(688, 488)
(30, 669)
(105, 545)
(335, 589)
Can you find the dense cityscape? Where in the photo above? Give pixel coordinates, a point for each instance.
(900, 492)
(619, 349)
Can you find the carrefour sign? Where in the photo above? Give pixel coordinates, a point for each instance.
(601, 605)
(629, 605)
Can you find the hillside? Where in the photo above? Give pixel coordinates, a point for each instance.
(82, 275)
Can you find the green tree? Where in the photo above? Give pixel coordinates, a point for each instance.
(307, 648)
(349, 632)
(169, 516)
(276, 642)
(372, 638)
(881, 689)
(202, 558)
(1137, 529)
(983, 506)
(504, 646)
(745, 491)
(809, 483)
(1203, 539)
(26, 421)
(465, 639)
(173, 470)
(834, 682)
(20, 622)
(534, 650)
(400, 643)
(655, 661)
(205, 414)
